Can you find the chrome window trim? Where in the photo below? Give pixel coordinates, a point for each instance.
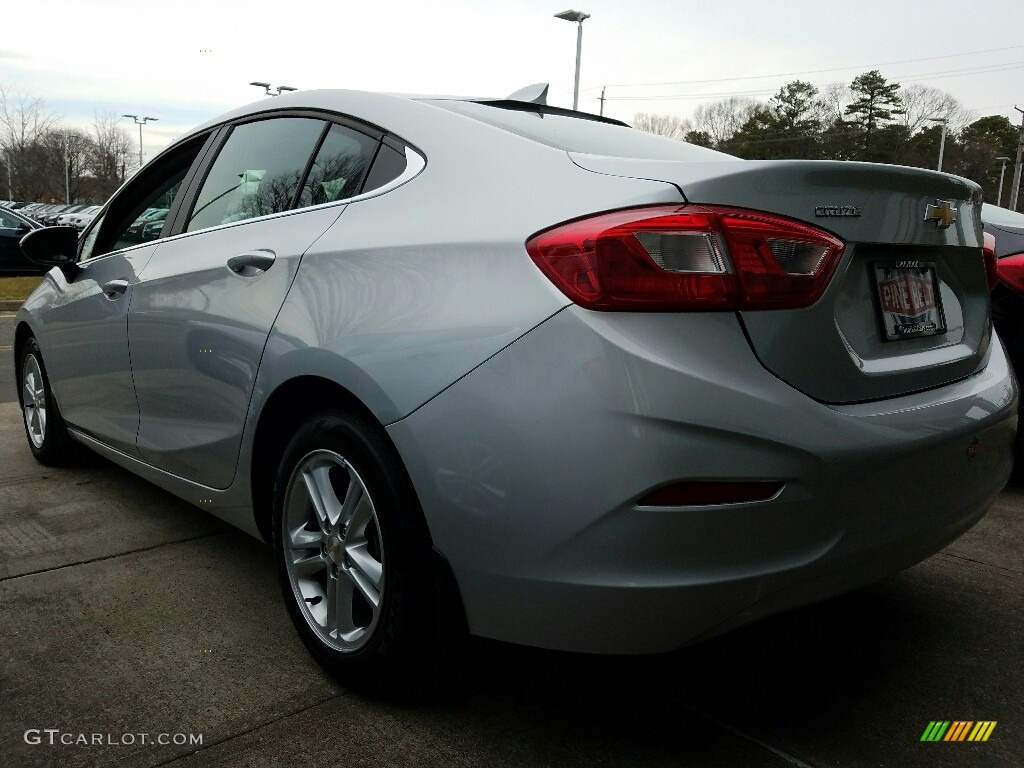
(415, 163)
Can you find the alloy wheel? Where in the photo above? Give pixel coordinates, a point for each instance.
(34, 400)
(333, 551)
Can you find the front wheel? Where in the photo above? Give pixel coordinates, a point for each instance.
(352, 551)
(45, 429)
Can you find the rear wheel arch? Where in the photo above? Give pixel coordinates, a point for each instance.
(284, 412)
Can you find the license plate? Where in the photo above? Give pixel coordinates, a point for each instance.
(908, 299)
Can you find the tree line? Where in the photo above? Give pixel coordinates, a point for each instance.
(42, 160)
(870, 119)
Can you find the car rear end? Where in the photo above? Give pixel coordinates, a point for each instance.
(783, 387)
(1005, 228)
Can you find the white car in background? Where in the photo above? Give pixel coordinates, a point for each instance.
(80, 219)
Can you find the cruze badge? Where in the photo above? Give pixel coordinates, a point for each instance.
(942, 213)
(837, 210)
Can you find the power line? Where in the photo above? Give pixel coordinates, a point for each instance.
(815, 71)
(908, 78)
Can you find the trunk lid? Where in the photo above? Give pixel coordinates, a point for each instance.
(908, 306)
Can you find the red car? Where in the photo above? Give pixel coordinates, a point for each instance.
(1007, 227)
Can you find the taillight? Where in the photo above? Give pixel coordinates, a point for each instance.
(1011, 271)
(690, 257)
(991, 269)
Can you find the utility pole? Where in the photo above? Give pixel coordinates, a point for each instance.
(1002, 172)
(602, 100)
(1015, 187)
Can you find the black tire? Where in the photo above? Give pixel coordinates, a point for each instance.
(45, 429)
(386, 543)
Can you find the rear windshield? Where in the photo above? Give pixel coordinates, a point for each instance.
(578, 134)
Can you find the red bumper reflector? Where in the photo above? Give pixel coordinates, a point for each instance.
(701, 493)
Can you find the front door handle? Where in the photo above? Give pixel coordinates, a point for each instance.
(252, 263)
(115, 289)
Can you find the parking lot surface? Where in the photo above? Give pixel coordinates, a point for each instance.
(129, 615)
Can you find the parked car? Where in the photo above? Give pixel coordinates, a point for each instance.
(500, 366)
(1007, 229)
(52, 218)
(138, 230)
(81, 219)
(13, 227)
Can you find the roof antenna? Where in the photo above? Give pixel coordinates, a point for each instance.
(532, 94)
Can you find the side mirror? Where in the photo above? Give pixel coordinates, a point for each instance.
(53, 247)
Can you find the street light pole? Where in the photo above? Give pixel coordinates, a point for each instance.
(579, 17)
(268, 86)
(1002, 170)
(1015, 187)
(942, 141)
(141, 121)
(67, 168)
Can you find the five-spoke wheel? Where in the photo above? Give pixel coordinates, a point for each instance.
(353, 550)
(45, 429)
(334, 558)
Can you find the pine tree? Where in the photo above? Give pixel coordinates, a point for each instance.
(876, 102)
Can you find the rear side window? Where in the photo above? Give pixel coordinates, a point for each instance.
(388, 166)
(257, 172)
(340, 165)
(580, 134)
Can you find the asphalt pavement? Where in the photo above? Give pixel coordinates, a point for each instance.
(128, 617)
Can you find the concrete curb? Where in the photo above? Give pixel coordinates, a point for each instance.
(10, 305)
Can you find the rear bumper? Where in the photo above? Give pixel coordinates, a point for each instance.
(529, 469)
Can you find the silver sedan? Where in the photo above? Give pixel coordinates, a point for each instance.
(496, 367)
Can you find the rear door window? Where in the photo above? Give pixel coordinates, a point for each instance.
(258, 171)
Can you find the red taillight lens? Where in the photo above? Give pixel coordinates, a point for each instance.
(673, 258)
(991, 269)
(1011, 271)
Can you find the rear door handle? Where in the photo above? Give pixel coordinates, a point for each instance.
(252, 263)
(115, 289)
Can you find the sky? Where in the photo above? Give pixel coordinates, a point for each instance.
(186, 61)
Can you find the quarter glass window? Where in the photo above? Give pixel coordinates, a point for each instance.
(339, 168)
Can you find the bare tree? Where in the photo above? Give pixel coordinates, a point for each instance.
(24, 120)
(112, 158)
(833, 100)
(922, 102)
(64, 154)
(721, 119)
(662, 125)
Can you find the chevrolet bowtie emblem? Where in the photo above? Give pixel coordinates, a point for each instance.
(942, 213)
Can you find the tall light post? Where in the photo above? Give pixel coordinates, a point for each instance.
(1015, 186)
(141, 121)
(1002, 170)
(942, 141)
(10, 184)
(67, 167)
(578, 17)
(275, 92)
